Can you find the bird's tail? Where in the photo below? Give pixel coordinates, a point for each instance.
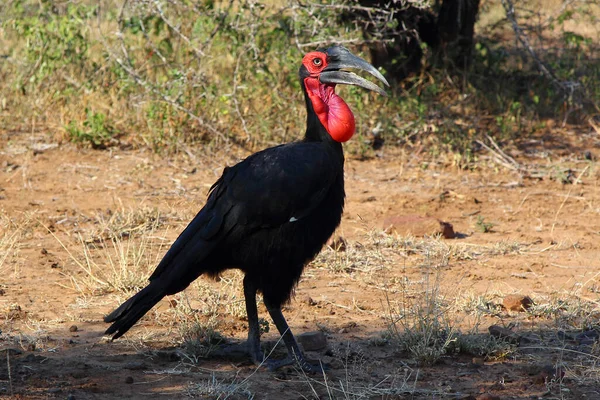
(132, 310)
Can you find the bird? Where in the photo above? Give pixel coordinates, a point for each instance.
(270, 214)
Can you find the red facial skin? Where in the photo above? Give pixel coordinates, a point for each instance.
(333, 112)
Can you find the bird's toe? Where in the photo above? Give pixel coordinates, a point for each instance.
(303, 363)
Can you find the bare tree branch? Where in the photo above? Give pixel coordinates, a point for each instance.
(125, 63)
(567, 87)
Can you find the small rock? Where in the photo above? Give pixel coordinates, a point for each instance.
(11, 352)
(487, 396)
(15, 312)
(562, 335)
(44, 251)
(276, 349)
(347, 327)
(31, 358)
(332, 362)
(282, 374)
(338, 244)
(588, 337)
(167, 355)
(517, 302)
(309, 300)
(135, 365)
(312, 341)
(129, 380)
(417, 225)
(377, 142)
(503, 333)
(2, 292)
(172, 303)
(39, 148)
(546, 373)
(478, 361)
(73, 328)
(34, 358)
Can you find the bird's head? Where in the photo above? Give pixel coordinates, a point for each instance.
(320, 72)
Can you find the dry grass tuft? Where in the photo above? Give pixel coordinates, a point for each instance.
(219, 389)
(9, 240)
(199, 339)
(116, 264)
(380, 250)
(485, 346)
(356, 384)
(420, 319)
(125, 224)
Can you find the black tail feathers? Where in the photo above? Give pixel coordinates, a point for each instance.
(132, 310)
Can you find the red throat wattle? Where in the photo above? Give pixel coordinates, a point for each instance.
(332, 110)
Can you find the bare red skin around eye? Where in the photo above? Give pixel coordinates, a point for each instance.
(332, 110)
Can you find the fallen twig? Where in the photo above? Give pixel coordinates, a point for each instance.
(499, 156)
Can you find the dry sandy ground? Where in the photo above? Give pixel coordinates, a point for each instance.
(80, 228)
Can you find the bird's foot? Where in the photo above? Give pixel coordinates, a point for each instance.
(241, 351)
(301, 362)
(234, 350)
(254, 351)
(245, 349)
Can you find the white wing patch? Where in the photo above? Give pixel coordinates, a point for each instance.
(293, 219)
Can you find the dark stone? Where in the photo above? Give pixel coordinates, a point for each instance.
(312, 341)
(504, 333)
(135, 365)
(11, 352)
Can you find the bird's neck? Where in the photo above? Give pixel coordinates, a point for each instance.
(315, 131)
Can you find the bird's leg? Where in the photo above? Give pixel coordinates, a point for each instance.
(294, 353)
(253, 343)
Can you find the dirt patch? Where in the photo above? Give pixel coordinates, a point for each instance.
(81, 229)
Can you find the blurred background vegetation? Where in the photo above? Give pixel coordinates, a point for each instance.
(172, 74)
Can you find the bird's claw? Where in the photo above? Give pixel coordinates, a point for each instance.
(259, 359)
(306, 366)
(274, 365)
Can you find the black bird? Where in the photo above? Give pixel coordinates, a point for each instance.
(270, 214)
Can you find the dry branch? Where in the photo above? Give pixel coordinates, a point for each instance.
(568, 88)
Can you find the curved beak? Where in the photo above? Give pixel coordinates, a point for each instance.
(340, 58)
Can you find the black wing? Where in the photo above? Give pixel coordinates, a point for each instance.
(275, 186)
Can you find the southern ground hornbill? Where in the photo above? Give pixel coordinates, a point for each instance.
(270, 214)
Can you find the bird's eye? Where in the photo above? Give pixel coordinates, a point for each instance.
(317, 62)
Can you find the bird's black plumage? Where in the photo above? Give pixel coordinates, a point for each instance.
(268, 216)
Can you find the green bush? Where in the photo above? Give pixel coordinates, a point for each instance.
(95, 130)
(168, 74)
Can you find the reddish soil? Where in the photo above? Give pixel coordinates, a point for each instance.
(544, 243)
